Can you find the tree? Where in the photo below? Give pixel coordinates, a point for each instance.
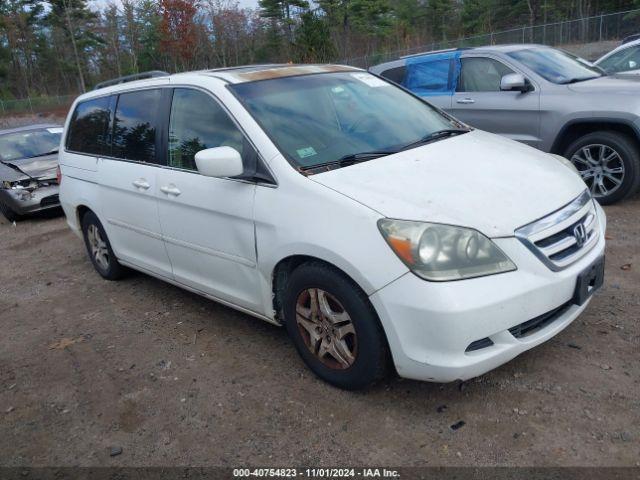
(77, 24)
(178, 31)
(313, 40)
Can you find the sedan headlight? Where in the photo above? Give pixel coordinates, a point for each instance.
(442, 252)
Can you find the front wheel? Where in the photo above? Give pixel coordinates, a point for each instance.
(334, 327)
(609, 163)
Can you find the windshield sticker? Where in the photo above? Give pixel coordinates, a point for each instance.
(306, 152)
(337, 89)
(370, 80)
(55, 130)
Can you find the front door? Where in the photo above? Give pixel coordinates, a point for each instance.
(479, 102)
(207, 222)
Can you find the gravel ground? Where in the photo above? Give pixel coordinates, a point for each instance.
(159, 376)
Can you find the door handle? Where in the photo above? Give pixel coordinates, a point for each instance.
(170, 189)
(141, 184)
(466, 101)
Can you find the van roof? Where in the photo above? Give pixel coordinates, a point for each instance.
(240, 74)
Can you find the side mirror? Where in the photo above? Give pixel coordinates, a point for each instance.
(219, 162)
(514, 82)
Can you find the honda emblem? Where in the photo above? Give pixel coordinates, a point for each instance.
(580, 234)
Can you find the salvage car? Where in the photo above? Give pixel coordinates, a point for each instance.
(28, 163)
(625, 59)
(541, 96)
(378, 230)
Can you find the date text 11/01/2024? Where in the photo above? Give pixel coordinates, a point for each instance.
(316, 473)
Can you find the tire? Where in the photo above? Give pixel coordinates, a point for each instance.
(362, 334)
(99, 249)
(8, 213)
(623, 154)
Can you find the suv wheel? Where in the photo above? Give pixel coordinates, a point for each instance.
(8, 213)
(609, 163)
(99, 248)
(334, 327)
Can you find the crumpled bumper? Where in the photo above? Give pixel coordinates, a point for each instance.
(22, 201)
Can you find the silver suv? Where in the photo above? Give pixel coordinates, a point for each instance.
(544, 97)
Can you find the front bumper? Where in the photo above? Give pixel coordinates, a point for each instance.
(430, 325)
(23, 202)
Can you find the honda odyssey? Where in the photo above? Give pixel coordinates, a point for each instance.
(380, 231)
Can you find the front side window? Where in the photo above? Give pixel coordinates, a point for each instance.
(622, 61)
(480, 74)
(556, 66)
(89, 127)
(29, 143)
(136, 125)
(198, 122)
(320, 118)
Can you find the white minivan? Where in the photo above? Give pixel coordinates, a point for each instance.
(379, 230)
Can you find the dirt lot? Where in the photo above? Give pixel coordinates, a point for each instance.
(88, 365)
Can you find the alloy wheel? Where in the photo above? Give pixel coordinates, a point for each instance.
(601, 168)
(98, 247)
(326, 328)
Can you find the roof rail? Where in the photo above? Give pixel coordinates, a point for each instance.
(131, 78)
(445, 50)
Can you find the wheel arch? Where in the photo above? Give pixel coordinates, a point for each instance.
(575, 129)
(283, 269)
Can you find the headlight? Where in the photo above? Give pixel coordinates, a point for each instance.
(442, 252)
(566, 163)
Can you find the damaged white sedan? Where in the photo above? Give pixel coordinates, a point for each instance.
(28, 164)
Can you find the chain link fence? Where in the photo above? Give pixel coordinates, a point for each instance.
(35, 104)
(600, 28)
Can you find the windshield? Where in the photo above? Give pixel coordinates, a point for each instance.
(622, 61)
(316, 119)
(556, 66)
(29, 143)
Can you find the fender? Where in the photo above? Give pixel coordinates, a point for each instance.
(633, 125)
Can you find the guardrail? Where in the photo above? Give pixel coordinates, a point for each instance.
(599, 28)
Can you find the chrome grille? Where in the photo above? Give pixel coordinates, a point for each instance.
(563, 237)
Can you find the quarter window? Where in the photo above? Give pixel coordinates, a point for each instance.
(89, 127)
(481, 75)
(136, 125)
(198, 122)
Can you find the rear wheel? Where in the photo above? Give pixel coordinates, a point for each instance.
(334, 327)
(8, 213)
(99, 248)
(609, 163)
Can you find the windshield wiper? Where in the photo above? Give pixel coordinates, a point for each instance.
(350, 159)
(578, 79)
(448, 132)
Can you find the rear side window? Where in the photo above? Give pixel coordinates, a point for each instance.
(136, 125)
(89, 127)
(396, 75)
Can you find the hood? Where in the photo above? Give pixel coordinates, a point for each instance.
(41, 168)
(621, 83)
(476, 180)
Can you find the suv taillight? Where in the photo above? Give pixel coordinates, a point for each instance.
(58, 175)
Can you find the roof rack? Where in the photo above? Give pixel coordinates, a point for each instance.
(445, 50)
(131, 78)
